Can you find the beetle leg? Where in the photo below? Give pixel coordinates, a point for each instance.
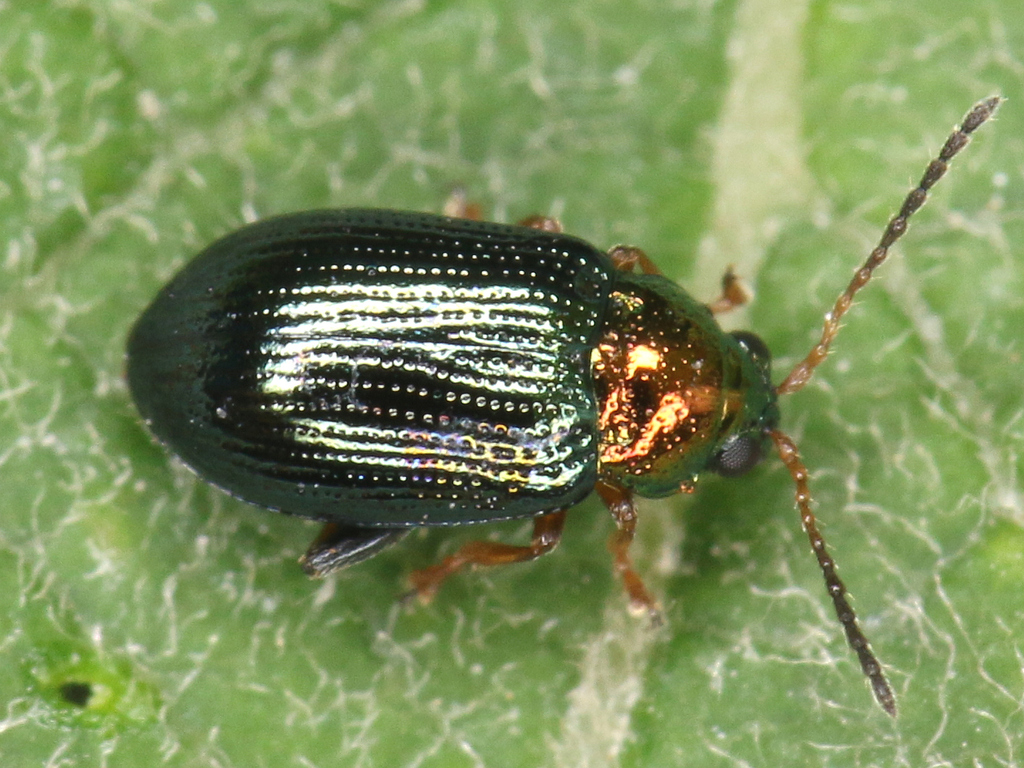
(626, 257)
(458, 206)
(339, 546)
(734, 294)
(543, 223)
(547, 531)
(620, 503)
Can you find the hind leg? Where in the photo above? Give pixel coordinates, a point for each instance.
(339, 546)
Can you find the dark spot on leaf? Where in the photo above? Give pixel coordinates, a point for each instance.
(76, 693)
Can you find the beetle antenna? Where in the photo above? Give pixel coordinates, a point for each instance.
(803, 371)
(847, 617)
(957, 140)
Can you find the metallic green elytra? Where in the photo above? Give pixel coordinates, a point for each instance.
(385, 368)
(388, 369)
(379, 371)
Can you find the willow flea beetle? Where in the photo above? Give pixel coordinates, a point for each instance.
(380, 371)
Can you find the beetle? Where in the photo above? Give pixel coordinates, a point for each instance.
(380, 371)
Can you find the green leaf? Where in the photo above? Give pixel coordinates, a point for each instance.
(151, 620)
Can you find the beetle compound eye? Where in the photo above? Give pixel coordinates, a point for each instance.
(739, 455)
(755, 346)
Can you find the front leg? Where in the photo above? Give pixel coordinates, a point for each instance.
(620, 503)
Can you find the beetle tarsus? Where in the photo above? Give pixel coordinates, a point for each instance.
(543, 223)
(641, 601)
(459, 206)
(734, 294)
(627, 257)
